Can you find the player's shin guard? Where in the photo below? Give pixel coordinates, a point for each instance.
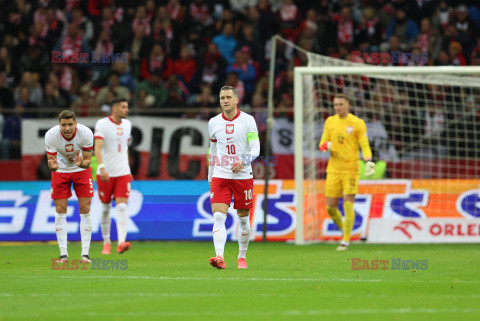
(122, 222)
(336, 216)
(105, 223)
(243, 236)
(349, 220)
(219, 232)
(61, 230)
(85, 232)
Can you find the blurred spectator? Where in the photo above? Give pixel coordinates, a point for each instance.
(111, 24)
(234, 81)
(429, 39)
(463, 22)
(35, 61)
(84, 24)
(85, 104)
(30, 81)
(24, 100)
(226, 43)
(141, 18)
(227, 17)
(72, 42)
(240, 7)
(200, 14)
(176, 95)
(176, 11)
(66, 78)
(125, 72)
(153, 87)
(52, 99)
(288, 18)
(18, 16)
(139, 49)
(6, 96)
(443, 13)
(433, 130)
(12, 135)
(443, 59)
(404, 28)
(245, 70)
(55, 27)
(211, 68)
(157, 61)
(247, 38)
(368, 34)
(164, 30)
(6, 61)
(456, 55)
(113, 85)
(185, 67)
(96, 6)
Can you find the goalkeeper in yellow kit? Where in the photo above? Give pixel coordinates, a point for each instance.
(343, 134)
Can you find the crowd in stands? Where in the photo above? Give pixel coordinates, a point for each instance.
(173, 54)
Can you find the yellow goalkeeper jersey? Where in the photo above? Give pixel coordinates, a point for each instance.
(346, 136)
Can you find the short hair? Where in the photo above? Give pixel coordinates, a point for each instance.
(66, 114)
(229, 88)
(118, 100)
(343, 96)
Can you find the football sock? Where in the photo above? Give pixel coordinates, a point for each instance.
(336, 216)
(105, 223)
(85, 232)
(219, 232)
(122, 222)
(349, 220)
(243, 236)
(61, 230)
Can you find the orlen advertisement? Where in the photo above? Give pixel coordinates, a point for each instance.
(161, 148)
(180, 210)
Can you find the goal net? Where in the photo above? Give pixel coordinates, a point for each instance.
(424, 130)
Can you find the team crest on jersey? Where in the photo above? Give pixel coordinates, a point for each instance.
(349, 129)
(229, 128)
(69, 148)
(119, 131)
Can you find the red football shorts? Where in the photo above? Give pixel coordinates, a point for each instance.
(61, 185)
(241, 189)
(118, 187)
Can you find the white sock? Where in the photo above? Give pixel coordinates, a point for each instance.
(62, 231)
(219, 232)
(243, 236)
(85, 232)
(105, 223)
(121, 222)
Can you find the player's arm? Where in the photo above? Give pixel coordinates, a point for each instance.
(254, 146)
(366, 150)
(85, 160)
(52, 161)
(325, 144)
(98, 144)
(212, 154)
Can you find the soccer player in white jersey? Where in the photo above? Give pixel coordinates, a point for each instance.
(69, 148)
(234, 145)
(112, 135)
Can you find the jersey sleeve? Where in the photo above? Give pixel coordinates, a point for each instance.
(252, 129)
(99, 130)
(211, 133)
(87, 144)
(363, 140)
(326, 133)
(49, 146)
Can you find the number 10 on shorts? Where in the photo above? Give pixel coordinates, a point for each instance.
(248, 194)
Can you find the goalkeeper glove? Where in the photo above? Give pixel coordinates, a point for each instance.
(369, 168)
(326, 147)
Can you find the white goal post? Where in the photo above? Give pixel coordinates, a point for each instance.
(307, 100)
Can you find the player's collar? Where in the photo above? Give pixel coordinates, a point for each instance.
(75, 133)
(111, 119)
(236, 116)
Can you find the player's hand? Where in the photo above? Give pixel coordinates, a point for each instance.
(78, 159)
(131, 177)
(52, 164)
(369, 168)
(210, 185)
(237, 166)
(104, 175)
(326, 147)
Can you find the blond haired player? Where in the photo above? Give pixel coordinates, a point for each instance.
(234, 145)
(343, 134)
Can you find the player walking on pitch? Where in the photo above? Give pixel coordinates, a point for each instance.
(112, 135)
(234, 144)
(342, 135)
(63, 144)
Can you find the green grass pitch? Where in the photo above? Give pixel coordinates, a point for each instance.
(284, 282)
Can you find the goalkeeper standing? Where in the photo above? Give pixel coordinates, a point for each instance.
(343, 134)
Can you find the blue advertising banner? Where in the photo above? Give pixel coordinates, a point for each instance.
(157, 210)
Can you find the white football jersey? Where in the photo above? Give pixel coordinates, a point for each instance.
(66, 149)
(115, 145)
(231, 137)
